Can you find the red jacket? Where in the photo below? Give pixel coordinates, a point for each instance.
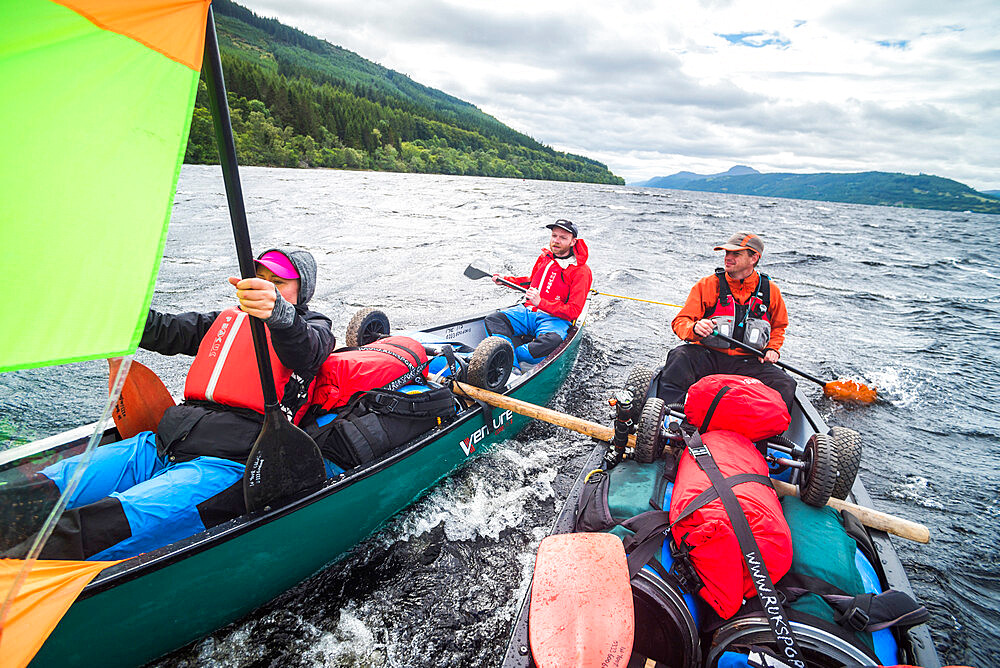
(563, 291)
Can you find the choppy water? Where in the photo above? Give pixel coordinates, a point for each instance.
(906, 300)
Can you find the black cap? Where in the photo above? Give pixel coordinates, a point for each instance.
(567, 225)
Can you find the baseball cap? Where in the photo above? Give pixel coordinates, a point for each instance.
(743, 241)
(567, 225)
(279, 263)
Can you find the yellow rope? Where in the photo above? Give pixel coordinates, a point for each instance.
(635, 299)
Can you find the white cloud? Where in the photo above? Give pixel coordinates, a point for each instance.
(651, 88)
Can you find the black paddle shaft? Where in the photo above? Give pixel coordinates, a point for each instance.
(284, 461)
(758, 353)
(219, 106)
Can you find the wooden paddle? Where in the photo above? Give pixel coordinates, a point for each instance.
(284, 460)
(846, 390)
(476, 273)
(580, 612)
(868, 516)
(142, 401)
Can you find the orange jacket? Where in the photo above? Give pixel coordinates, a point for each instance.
(705, 294)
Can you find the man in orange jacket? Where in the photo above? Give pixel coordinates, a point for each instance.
(741, 303)
(557, 290)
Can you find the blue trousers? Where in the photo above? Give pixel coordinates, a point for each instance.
(545, 331)
(129, 492)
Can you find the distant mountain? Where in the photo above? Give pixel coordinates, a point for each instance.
(879, 188)
(299, 101)
(992, 193)
(677, 180)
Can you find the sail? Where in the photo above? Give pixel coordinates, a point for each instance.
(97, 100)
(49, 591)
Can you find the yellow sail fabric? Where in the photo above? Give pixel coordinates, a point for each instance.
(97, 100)
(46, 595)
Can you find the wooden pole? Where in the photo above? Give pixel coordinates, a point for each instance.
(579, 425)
(868, 516)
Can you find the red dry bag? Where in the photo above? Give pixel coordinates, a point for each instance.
(708, 533)
(749, 407)
(390, 362)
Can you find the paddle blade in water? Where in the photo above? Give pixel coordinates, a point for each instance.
(849, 390)
(143, 399)
(581, 611)
(284, 462)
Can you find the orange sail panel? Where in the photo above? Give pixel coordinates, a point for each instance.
(47, 593)
(581, 612)
(162, 25)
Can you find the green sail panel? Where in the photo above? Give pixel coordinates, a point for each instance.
(94, 127)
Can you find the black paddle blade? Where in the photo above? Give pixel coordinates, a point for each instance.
(474, 273)
(284, 462)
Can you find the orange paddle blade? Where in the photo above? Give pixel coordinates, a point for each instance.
(849, 390)
(143, 400)
(581, 611)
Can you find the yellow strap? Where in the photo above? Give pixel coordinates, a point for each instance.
(635, 299)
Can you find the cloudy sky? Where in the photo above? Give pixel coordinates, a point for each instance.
(653, 88)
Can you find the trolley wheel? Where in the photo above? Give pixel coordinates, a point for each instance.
(638, 381)
(647, 437)
(491, 363)
(367, 326)
(820, 649)
(847, 446)
(821, 472)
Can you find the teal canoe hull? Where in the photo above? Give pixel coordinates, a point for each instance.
(157, 602)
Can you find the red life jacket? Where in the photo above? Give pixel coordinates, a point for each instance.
(390, 362)
(225, 369)
(708, 533)
(750, 407)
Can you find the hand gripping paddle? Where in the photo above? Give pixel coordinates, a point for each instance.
(581, 612)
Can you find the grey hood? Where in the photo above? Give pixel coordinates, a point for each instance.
(305, 264)
(283, 315)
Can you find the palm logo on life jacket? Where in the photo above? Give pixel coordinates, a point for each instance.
(749, 323)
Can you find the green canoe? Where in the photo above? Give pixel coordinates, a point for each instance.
(159, 601)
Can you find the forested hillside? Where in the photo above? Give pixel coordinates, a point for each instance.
(921, 191)
(298, 101)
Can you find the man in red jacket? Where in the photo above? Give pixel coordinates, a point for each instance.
(557, 291)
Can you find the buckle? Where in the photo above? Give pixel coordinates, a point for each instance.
(383, 401)
(699, 450)
(856, 618)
